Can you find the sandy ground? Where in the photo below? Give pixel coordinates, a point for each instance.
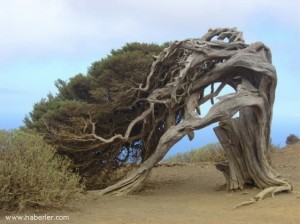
(188, 194)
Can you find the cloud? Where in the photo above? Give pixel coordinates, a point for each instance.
(42, 40)
(35, 27)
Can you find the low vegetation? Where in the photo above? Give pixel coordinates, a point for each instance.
(209, 153)
(292, 139)
(32, 174)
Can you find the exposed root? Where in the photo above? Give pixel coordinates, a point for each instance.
(273, 190)
(127, 186)
(268, 191)
(251, 201)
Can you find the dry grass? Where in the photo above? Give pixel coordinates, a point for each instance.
(209, 153)
(31, 173)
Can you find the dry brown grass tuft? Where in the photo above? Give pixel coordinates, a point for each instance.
(209, 153)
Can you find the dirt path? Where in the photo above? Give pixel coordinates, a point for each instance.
(189, 194)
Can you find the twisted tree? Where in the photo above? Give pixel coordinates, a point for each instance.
(101, 95)
(167, 106)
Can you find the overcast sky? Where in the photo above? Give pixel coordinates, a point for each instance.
(43, 40)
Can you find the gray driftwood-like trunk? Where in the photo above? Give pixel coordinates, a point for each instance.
(218, 59)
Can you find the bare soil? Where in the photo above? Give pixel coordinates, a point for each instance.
(188, 194)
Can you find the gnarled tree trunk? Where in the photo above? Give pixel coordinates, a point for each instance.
(176, 86)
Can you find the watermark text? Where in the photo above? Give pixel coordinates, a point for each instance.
(35, 217)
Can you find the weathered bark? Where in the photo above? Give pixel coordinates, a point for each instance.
(176, 87)
(238, 173)
(244, 143)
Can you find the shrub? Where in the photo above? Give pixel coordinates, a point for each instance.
(32, 174)
(209, 153)
(273, 147)
(292, 139)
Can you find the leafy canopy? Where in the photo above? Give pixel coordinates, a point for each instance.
(103, 96)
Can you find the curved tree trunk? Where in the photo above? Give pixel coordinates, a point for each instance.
(185, 70)
(243, 139)
(247, 157)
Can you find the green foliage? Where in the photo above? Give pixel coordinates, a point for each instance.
(78, 88)
(292, 139)
(209, 153)
(31, 173)
(132, 57)
(105, 83)
(105, 96)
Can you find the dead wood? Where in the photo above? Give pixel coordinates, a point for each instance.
(175, 92)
